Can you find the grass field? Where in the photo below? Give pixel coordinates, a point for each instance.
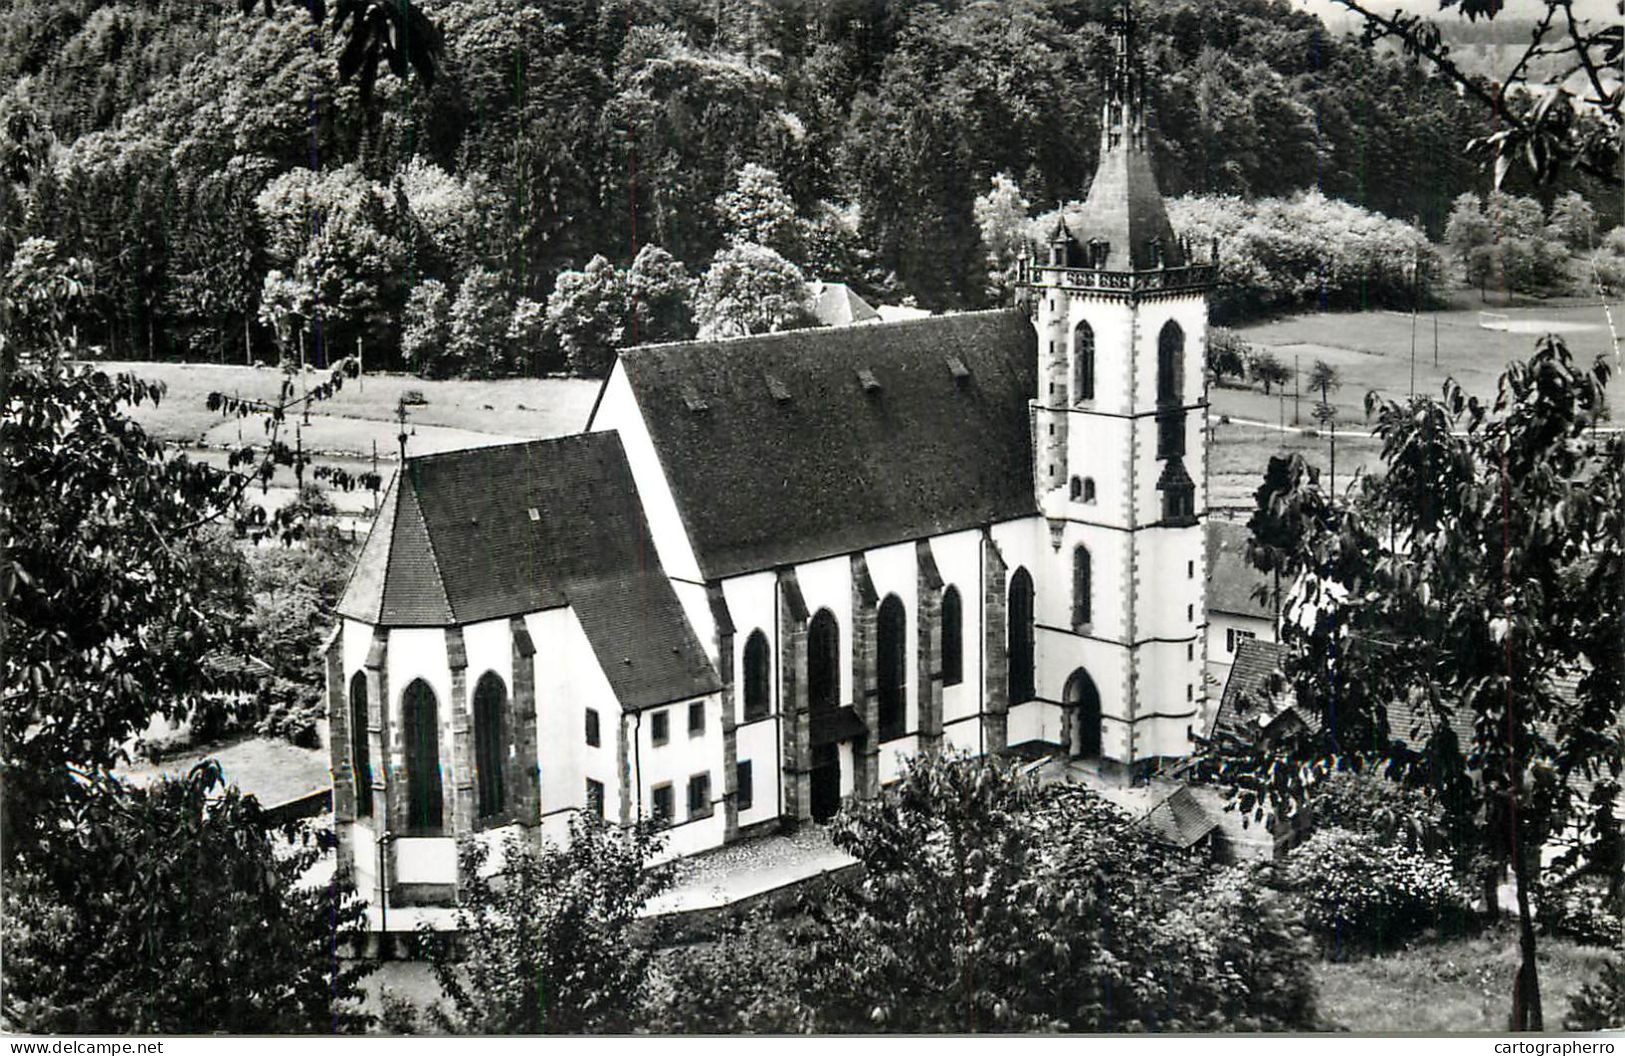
(1449, 986)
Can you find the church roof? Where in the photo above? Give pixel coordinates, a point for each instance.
(789, 447)
(1125, 209)
(493, 532)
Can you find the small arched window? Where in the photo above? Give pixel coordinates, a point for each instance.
(490, 696)
(824, 663)
(758, 670)
(420, 716)
(891, 662)
(360, 752)
(1019, 637)
(1075, 491)
(953, 638)
(1083, 363)
(1170, 358)
(1089, 489)
(1082, 587)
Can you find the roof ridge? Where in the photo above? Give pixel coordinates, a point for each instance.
(538, 441)
(802, 332)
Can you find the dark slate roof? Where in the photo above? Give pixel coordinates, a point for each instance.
(493, 532)
(1251, 700)
(1125, 209)
(814, 443)
(834, 304)
(1231, 578)
(1180, 820)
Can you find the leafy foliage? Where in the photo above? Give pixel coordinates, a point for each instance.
(750, 289)
(176, 909)
(479, 325)
(546, 934)
(1600, 1004)
(1362, 892)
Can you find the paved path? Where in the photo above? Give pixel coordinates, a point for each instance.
(752, 867)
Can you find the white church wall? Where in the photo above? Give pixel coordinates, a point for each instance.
(364, 857)
(1097, 449)
(618, 410)
(827, 584)
(1036, 720)
(568, 682)
(893, 755)
(1191, 315)
(753, 606)
(959, 562)
(414, 653)
(489, 646)
(1111, 320)
(422, 860)
(758, 744)
(1172, 577)
(354, 644)
(682, 757)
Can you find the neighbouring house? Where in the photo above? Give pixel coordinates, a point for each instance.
(773, 567)
(1238, 600)
(834, 304)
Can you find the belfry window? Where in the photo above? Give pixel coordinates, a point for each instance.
(1170, 360)
(1083, 363)
(1082, 587)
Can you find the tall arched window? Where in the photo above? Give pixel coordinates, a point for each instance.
(953, 638)
(490, 697)
(420, 716)
(1170, 358)
(1082, 695)
(1019, 637)
(360, 754)
(1082, 587)
(1083, 363)
(824, 663)
(758, 670)
(891, 662)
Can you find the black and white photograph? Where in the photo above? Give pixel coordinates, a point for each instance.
(886, 518)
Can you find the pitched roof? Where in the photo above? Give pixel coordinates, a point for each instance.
(1125, 209)
(1231, 578)
(821, 442)
(494, 532)
(834, 304)
(1180, 820)
(1251, 698)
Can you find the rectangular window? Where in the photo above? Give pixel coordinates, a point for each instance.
(1190, 613)
(699, 796)
(1189, 693)
(661, 804)
(1190, 651)
(744, 795)
(595, 798)
(593, 739)
(1190, 570)
(659, 728)
(696, 719)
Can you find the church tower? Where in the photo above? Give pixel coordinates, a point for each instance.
(1120, 458)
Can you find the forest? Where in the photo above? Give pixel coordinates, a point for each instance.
(238, 200)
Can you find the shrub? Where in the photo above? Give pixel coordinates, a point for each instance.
(1581, 911)
(1600, 1004)
(414, 398)
(1360, 891)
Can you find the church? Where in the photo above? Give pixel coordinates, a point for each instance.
(771, 568)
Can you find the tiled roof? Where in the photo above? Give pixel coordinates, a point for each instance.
(1231, 578)
(1125, 209)
(1180, 820)
(494, 532)
(834, 304)
(1252, 698)
(822, 442)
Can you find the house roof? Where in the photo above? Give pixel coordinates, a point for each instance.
(1180, 820)
(1231, 578)
(494, 532)
(834, 304)
(1252, 699)
(788, 447)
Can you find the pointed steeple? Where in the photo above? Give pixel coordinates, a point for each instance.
(1124, 216)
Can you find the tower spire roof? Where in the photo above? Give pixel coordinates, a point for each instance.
(1124, 215)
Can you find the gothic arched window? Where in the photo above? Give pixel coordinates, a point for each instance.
(1170, 359)
(953, 638)
(420, 717)
(360, 753)
(891, 663)
(758, 671)
(823, 663)
(1088, 489)
(1019, 637)
(1082, 587)
(490, 698)
(1083, 363)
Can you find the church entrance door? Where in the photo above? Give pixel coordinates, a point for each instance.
(1083, 700)
(826, 782)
